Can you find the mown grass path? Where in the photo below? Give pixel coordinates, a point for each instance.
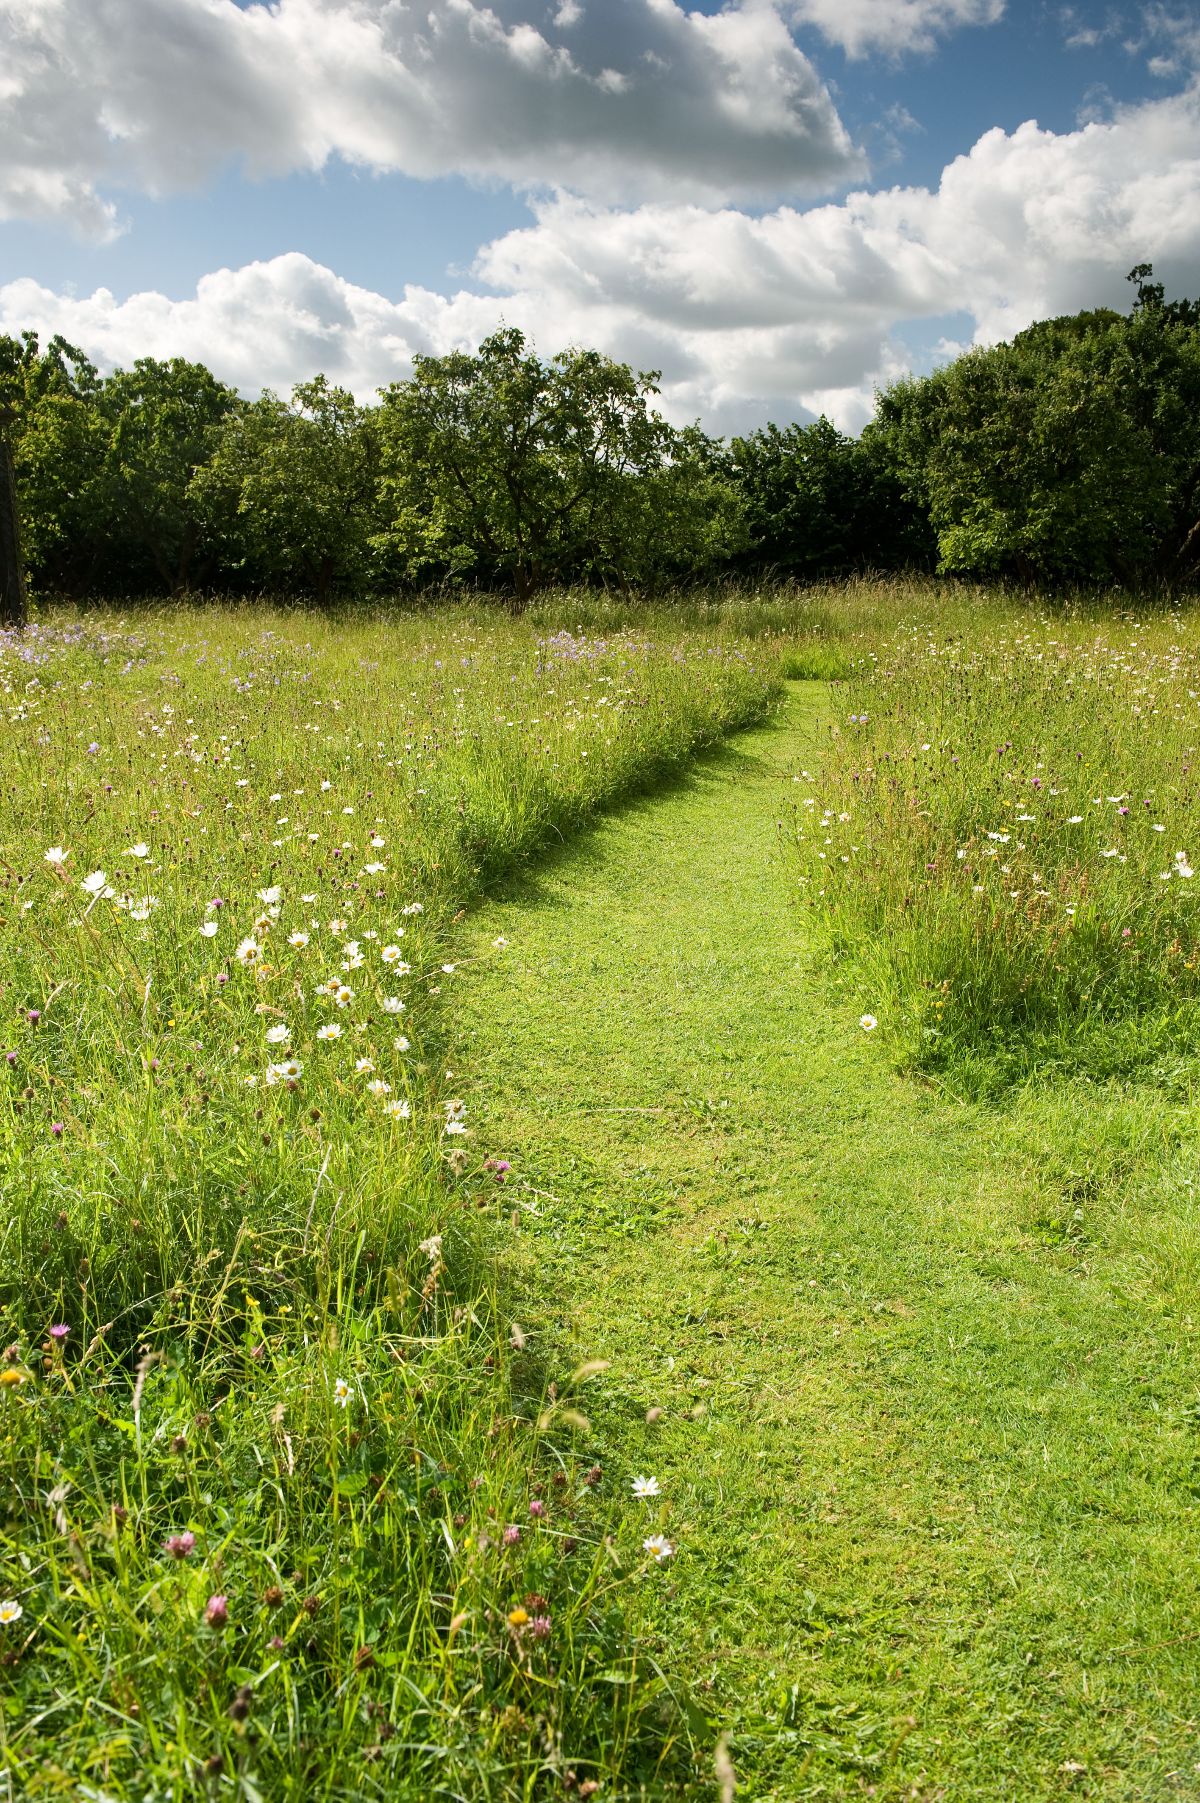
(927, 1445)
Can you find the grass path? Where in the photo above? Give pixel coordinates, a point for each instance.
(927, 1373)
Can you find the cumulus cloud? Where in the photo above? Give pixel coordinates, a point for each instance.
(893, 26)
(648, 101)
(790, 313)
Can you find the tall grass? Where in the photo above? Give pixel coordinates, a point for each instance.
(1001, 837)
(293, 1508)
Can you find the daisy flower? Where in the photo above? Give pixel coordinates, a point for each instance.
(330, 1030)
(278, 1035)
(393, 1005)
(248, 952)
(209, 929)
(56, 856)
(659, 1548)
(868, 1023)
(140, 850)
(297, 938)
(10, 1611)
(646, 1486)
(399, 1110)
(341, 1392)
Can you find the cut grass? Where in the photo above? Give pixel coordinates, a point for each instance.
(928, 1370)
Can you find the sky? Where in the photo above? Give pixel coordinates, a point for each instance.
(782, 205)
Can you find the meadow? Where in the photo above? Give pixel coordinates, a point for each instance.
(494, 1309)
(1003, 829)
(290, 1509)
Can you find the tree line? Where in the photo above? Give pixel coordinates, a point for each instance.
(1070, 454)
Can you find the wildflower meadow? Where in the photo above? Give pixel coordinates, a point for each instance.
(291, 1508)
(696, 1307)
(1004, 831)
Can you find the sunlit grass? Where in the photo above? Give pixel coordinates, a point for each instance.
(1002, 834)
(224, 835)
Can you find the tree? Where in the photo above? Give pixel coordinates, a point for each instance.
(520, 473)
(57, 438)
(289, 494)
(12, 570)
(820, 503)
(164, 423)
(1071, 454)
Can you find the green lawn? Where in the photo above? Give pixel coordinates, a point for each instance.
(927, 1369)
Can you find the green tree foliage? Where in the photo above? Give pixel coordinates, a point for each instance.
(289, 494)
(818, 502)
(59, 443)
(1071, 454)
(519, 472)
(163, 426)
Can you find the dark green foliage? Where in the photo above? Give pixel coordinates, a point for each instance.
(818, 502)
(1070, 455)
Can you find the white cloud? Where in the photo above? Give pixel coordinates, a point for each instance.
(747, 317)
(652, 101)
(893, 26)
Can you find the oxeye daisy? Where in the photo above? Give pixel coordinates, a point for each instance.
(298, 939)
(393, 1005)
(659, 1548)
(10, 1611)
(249, 952)
(399, 1110)
(330, 1030)
(279, 1034)
(646, 1486)
(341, 1392)
(868, 1023)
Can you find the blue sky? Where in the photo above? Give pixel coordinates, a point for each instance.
(781, 203)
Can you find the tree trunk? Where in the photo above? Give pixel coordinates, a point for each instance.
(12, 576)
